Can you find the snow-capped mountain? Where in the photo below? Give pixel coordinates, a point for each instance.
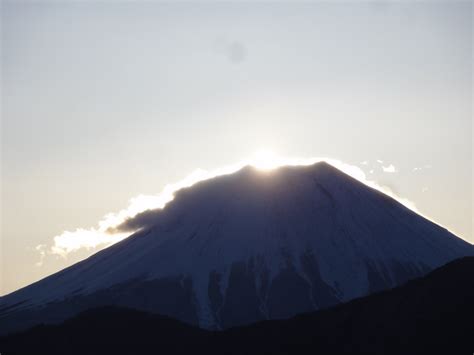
(248, 246)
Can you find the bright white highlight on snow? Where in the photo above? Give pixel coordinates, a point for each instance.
(104, 235)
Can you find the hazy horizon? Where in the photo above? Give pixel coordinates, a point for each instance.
(103, 102)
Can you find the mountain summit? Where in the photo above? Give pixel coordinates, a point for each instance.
(245, 247)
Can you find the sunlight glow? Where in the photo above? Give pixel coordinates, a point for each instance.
(265, 160)
(106, 233)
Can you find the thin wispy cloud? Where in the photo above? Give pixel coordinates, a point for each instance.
(420, 168)
(389, 169)
(42, 250)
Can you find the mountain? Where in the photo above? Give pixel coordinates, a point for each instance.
(429, 315)
(246, 247)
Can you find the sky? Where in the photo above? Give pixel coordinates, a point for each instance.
(105, 101)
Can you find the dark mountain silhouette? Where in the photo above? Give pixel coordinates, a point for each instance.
(246, 247)
(429, 315)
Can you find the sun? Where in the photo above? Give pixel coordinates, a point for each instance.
(265, 160)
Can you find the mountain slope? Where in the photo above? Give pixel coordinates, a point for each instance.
(429, 315)
(246, 247)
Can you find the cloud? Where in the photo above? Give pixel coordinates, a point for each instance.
(107, 231)
(389, 169)
(41, 249)
(81, 238)
(422, 168)
(142, 209)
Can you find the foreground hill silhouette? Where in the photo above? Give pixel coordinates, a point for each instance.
(429, 315)
(245, 247)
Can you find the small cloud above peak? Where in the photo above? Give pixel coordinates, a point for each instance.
(420, 168)
(389, 169)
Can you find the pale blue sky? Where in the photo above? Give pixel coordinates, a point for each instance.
(105, 101)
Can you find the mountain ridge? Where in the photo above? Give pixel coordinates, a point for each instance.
(431, 314)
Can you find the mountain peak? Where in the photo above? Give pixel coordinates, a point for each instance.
(321, 168)
(226, 251)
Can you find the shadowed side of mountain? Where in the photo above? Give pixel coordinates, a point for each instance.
(432, 314)
(429, 315)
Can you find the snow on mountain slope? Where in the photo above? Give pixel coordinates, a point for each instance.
(248, 246)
